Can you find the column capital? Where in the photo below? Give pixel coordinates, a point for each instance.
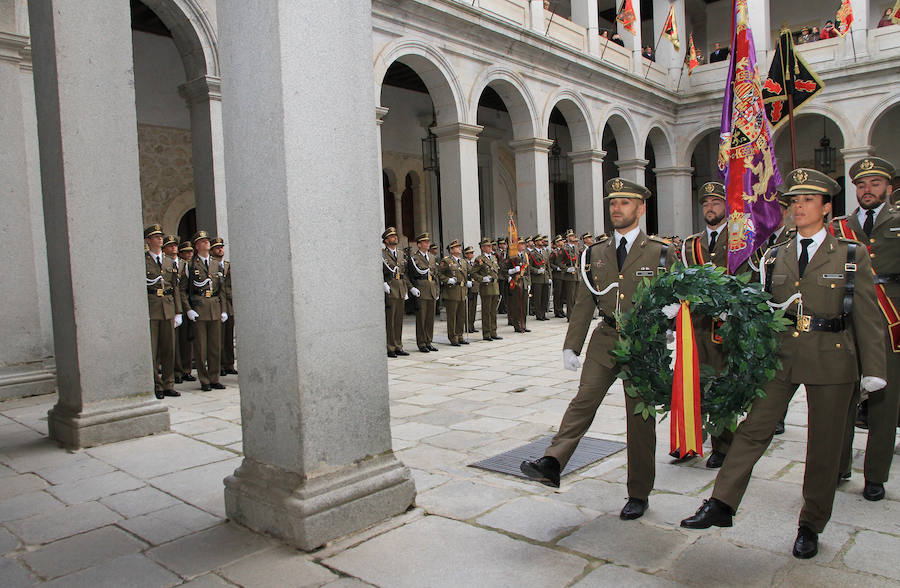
(673, 171)
(632, 164)
(458, 131)
(861, 151)
(201, 89)
(380, 113)
(592, 155)
(12, 47)
(531, 144)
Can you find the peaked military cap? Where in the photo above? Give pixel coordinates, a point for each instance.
(216, 242)
(185, 246)
(433, 247)
(810, 181)
(783, 200)
(388, 232)
(711, 189)
(152, 230)
(502, 240)
(200, 235)
(621, 188)
(469, 249)
(423, 237)
(170, 240)
(871, 166)
(454, 243)
(570, 232)
(521, 240)
(558, 238)
(485, 241)
(585, 236)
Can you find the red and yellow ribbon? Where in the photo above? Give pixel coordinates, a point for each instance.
(685, 426)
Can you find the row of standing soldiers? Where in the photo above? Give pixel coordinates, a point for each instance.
(191, 310)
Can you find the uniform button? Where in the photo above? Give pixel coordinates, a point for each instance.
(796, 334)
(838, 345)
(621, 277)
(832, 285)
(871, 255)
(622, 296)
(796, 284)
(871, 240)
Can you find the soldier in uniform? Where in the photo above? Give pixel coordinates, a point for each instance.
(515, 271)
(556, 273)
(540, 280)
(423, 275)
(396, 289)
(217, 250)
(568, 261)
(472, 300)
(206, 303)
(877, 224)
(435, 252)
(453, 275)
(487, 275)
(170, 246)
(502, 253)
(184, 335)
(586, 241)
(826, 285)
(613, 268)
(165, 310)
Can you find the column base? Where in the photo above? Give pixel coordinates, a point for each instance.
(107, 422)
(307, 513)
(29, 380)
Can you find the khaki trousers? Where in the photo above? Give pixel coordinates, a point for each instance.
(456, 319)
(162, 343)
(712, 354)
(393, 323)
(207, 350)
(558, 298)
(569, 289)
(518, 300)
(473, 305)
(425, 322)
(827, 407)
(539, 295)
(228, 343)
(489, 315)
(641, 433)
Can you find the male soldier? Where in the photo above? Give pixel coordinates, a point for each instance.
(454, 276)
(487, 274)
(515, 270)
(184, 334)
(396, 289)
(557, 277)
(830, 281)
(540, 280)
(217, 251)
(502, 254)
(586, 241)
(472, 300)
(613, 268)
(877, 225)
(435, 252)
(568, 260)
(206, 303)
(165, 310)
(422, 272)
(170, 246)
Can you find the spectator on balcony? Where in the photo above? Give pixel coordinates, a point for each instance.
(886, 20)
(604, 34)
(719, 53)
(805, 36)
(647, 53)
(617, 38)
(814, 34)
(828, 31)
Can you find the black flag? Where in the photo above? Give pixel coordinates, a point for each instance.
(788, 74)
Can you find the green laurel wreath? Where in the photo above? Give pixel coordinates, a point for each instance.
(749, 342)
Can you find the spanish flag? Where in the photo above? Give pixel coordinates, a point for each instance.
(685, 434)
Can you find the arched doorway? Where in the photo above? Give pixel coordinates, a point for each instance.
(814, 133)
(704, 161)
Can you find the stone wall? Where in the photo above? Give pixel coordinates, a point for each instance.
(167, 174)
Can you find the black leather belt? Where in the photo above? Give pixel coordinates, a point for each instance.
(160, 292)
(887, 278)
(808, 323)
(608, 320)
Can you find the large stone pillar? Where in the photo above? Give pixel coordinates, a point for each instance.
(536, 15)
(87, 133)
(458, 151)
(673, 200)
(314, 403)
(758, 12)
(587, 167)
(851, 156)
(633, 169)
(859, 30)
(532, 185)
(633, 42)
(586, 13)
(204, 98)
(666, 55)
(380, 113)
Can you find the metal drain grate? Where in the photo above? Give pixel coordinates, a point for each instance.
(589, 451)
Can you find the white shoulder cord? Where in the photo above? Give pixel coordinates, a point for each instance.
(421, 273)
(203, 283)
(151, 282)
(773, 305)
(683, 251)
(588, 282)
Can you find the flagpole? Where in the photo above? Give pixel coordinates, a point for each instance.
(678, 85)
(615, 19)
(852, 43)
(793, 130)
(550, 22)
(655, 50)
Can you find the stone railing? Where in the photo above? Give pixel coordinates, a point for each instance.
(566, 31)
(515, 11)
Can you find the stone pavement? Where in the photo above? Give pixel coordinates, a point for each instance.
(150, 512)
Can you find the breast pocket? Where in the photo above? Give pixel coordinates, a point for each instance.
(779, 279)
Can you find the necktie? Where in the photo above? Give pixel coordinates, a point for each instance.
(206, 263)
(712, 240)
(394, 253)
(158, 262)
(870, 222)
(621, 252)
(804, 255)
(772, 240)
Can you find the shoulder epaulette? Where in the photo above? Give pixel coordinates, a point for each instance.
(601, 239)
(659, 239)
(845, 240)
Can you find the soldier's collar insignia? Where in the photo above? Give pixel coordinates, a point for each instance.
(800, 176)
(867, 165)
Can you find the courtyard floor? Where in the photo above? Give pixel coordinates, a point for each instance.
(150, 512)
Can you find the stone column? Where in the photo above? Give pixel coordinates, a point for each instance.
(532, 185)
(859, 30)
(586, 13)
(666, 55)
(204, 98)
(536, 15)
(674, 200)
(633, 169)
(633, 42)
(587, 167)
(380, 113)
(851, 156)
(458, 150)
(87, 133)
(761, 27)
(314, 403)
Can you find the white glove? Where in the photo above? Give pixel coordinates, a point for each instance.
(486, 279)
(387, 288)
(513, 271)
(671, 310)
(570, 360)
(468, 283)
(178, 320)
(871, 384)
(192, 315)
(406, 296)
(570, 270)
(224, 316)
(451, 281)
(415, 291)
(540, 270)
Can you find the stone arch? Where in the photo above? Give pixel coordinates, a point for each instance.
(683, 156)
(871, 120)
(840, 121)
(622, 126)
(193, 34)
(516, 96)
(177, 209)
(662, 144)
(577, 115)
(436, 72)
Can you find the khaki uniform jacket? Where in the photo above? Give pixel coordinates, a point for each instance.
(225, 268)
(820, 357)
(451, 268)
(394, 274)
(884, 243)
(554, 260)
(470, 276)
(642, 261)
(718, 257)
(539, 269)
(163, 297)
(419, 272)
(491, 268)
(511, 262)
(566, 258)
(203, 289)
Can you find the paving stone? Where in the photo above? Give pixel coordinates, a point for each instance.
(501, 411)
(202, 486)
(208, 550)
(402, 411)
(807, 575)
(440, 417)
(79, 467)
(536, 518)
(463, 499)
(229, 413)
(773, 531)
(14, 574)
(425, 399)
(875, 553)
(6, 472)
(714, 562)
(426, 457)
(459, 440)
(681, 479)
(170, 523)
(139, 571)
(81, 551)
(180, 415)
(28, 505)
(32, 451)
(668, 510)
(21, 484)
(348, 583)
(65, 522)
(277, 568)
(206, 581)
(856, 511)
(426, 480)
(462, 556)
(225, 436)
(613, 575)
(629, 543)
(484, 425)
(95, 487)
(137, 502)
(8, 542)
(415, 431)
(158, 454)
(596, 495)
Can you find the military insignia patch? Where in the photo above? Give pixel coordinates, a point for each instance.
(800, 176)
(618, 185)
(867, 165)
